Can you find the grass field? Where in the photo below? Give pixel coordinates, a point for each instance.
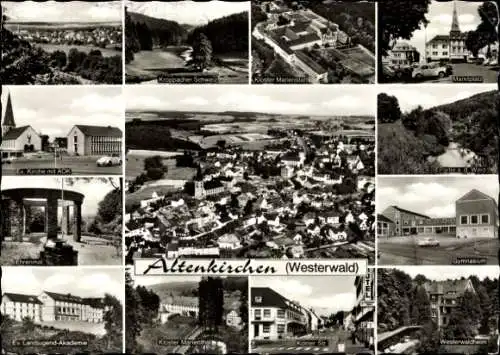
(177, 328)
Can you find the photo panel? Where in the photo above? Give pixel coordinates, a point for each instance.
(437, 220)
(186, 314)
(312, 314)
(437, 42)
(450, 309)
(72, 221)
(62, 310)
(313, 42)
(58, 130)
(61, 43)
(187, 42)
(250, 172)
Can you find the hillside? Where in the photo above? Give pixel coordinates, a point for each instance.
(163, 32)
(180, 288)
(227, 34)
(464, 108)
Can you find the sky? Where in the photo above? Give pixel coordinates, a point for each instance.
(54, 110)
(286, 99)
(55, 11)
(188, 12)
(440, 18)
(451, 272)
(93, 191)
(409, 97)
(434, 196)
(325, 294)
(83, 282)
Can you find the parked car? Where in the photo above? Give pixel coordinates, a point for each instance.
(432, 70)
(108, 160)
(8, 160)
(428, 242)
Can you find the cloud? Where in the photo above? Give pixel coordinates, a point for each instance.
(334, 303)
(293, 289)
(98, 103)
(55, 281)
(253, 102)
(195, 101)
(344, 103)
(105, 13)
(144, 102)
(30, 10)
(20, 280)
(442, 211)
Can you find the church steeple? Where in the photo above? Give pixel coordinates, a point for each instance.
(8, 119)
(455, 28)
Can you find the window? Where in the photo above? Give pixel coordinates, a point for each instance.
(258, 314)
(485, 218)
(444, 46)
(266, 328)
(75, 139)
(258, 299)
(281, 328)
(281, 313)
(405, 223)
(474, 219)
(445, 53)
(464, 219)
(267, 312)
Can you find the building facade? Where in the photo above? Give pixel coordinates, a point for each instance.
(273, 316)
(476, 216)
(364, 308)
(94, 140)
(450, 47)
(444, 296)
(402, 54)
(17, 140)
(17, 307)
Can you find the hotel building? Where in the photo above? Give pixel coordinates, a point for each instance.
(94, 140)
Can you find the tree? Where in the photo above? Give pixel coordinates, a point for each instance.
(464, 319)
(211, 303)
(474, 42)
(28, 325)
(388, 110)
(58, 59)
(113, 322)
(202, 52)
(398, 19)
(133, 325)
(421, 306)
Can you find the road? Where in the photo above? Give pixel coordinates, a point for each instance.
(399, 252)
(78, 166)
(488, 73)
(293, 346)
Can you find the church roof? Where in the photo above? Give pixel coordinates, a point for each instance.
(14, 133)
(8, 118)
(454, 24)
(100, 131)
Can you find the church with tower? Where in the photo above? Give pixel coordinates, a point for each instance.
(450, 47)
(17, 140)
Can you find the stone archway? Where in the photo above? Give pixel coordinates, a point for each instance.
(18, 202)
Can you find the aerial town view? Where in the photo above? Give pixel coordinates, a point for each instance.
(55, 42)
(437, 220)
(187, 42)
(51, 221)
(429, 310)
(208, 175)
(438, 42)
(312, 314)
(62, 310)
(186, 314)
(78, 134)
(448, 129)
(300, 42)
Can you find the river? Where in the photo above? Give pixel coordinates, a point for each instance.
(455, 157)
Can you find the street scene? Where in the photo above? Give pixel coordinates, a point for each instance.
(186, 314)
(187, 42)
(78, 134)
(425, 310)
(302, 42)
(82, 309)
(48, 221)
(292, 180)
(61, 43)
(444, 130)
(437, 220)
(449, 42)
(312, 314)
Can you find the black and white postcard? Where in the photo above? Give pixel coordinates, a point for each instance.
(60, 130)
(61, 221)
(250, 172)
(62, 310)
(187, 42)
(61, 42)
(186, 314)
(429, 310)
(437, 220)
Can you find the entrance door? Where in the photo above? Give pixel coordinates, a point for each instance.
(255, 330)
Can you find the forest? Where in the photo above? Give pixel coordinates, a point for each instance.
(404, 301)
(407, 139)
(142, 33)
